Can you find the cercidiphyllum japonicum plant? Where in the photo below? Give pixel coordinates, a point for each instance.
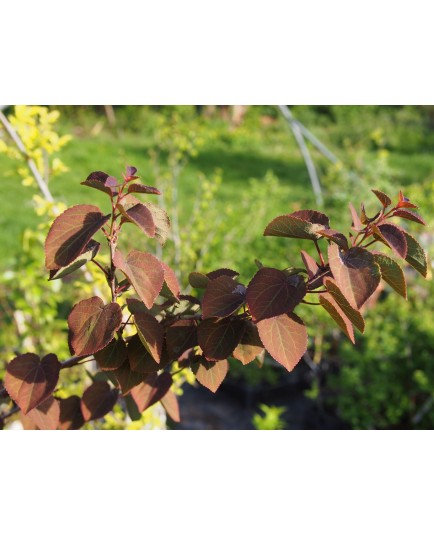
(140, 342)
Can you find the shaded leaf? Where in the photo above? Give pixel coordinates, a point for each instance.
(393, 237)
(409, 215)
(198, 280)
(392, 273)
(384, 199)
(144, 272)
(141, 360)
(151, 333)
(142, 189)
(46, 415)
(355, 272)
(88, 254)
(152, 390)
(181, 336)
(210, 374)
(250, 345)
(125, 378)
(285, 339)
(70, 233)
(170, 404)
(222, 271)
(161, 222)
(336, 237)
(112, 356)
(98, 399)
(71, 417)
(416, 255)
(349, 311)
(92, 325)
(223, 296)
(101, 181)
(272, 292)
(333, 309)
(29, 380)
(219, 337)
(141, 216)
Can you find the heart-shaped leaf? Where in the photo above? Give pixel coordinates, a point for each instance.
(141, 216)
(416, 255)
(250, 345)
(210, 374)
(285, 338)
(70, 234)
(145, 273)
(92, 325)
(142, 189)
(219, 337)
(333, 309)
(46, 416)
(88, 254)
(151, 390)
(392, 273)
(170, 404)
(30, 380)
(112, 356)
(355, 272)
(151, 333)
(223, 296)
(103, 182)
(384, 199)
(180, 337)
(125, 378)
(98, 400)
(392, 236)
(350, 312)
(272, 292)
(71, 417)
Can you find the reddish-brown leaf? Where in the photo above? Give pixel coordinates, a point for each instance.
(310, 263)
(141, 360)
(285, 339)
(218, 337)
(71, 417)
(333, 309)
(393, 237)
(384, 199)
(112, 356)
(142, 189)
(30, 380)
(312, 216)
(170, 404)
(210, 374)
(171, 281)
(46, 415)
(250, 345)
(88, 254)
(404, 202)
(101, 181)
(161, 222)
(151, 333)
(98, 400)
(355, 272)
(151, 390)
(141, 216)
(222, 271)
(356, 223)
(416, 255)
(336, 237)
(125, 378)
(145, 273)
(292, 227)
(392, 273)
(272, 292)
(92, 325)
(70, 234)
(351, 313)
(223, 296)
(181, 336)
(409, 215)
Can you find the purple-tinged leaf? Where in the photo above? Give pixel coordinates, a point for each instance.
(223, 296)
(171, 406)
(333, 309)
(272, 292)
(384, 199)
(112, 356)
(356, 273)
(310, 263)
(46, 415)
(92, 325)
(393, 237)
(151, 390)
(404, 202)
(350, 312)
(98, 400)
(392, 273)
(218, 338)
(144, 272)
(88, 254)
(141, 360)
(285, 339)
(141, 216)
(30, 380)
(356, 223)
(409, 215)
(125, 378)
(142, 189)
(180, 337)
(312, 216)
(103, 182)
(336, 237)
(292, 227)
(71, 417)
(250, 345)
(210, 374)
(416, 255)
(222, 271)
(151, 333)
(171, 281)
(161, 222)
(70, 233)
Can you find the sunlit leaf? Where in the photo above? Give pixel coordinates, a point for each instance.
(141, 216)
(151, 391)
(250, 345)
(335, 236)
(170, 404)
(292, 227)
(416, 255)
(88, 254)
(409, 215)
(333, 309)
(384, 199)
(170, 281)
(392, 273)
(210, 374)
(142, 189)
(151, 333)
(102, 181)
(161, 222)
(392, 236)
(222, 271)
(349, 311)
(46, 415)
